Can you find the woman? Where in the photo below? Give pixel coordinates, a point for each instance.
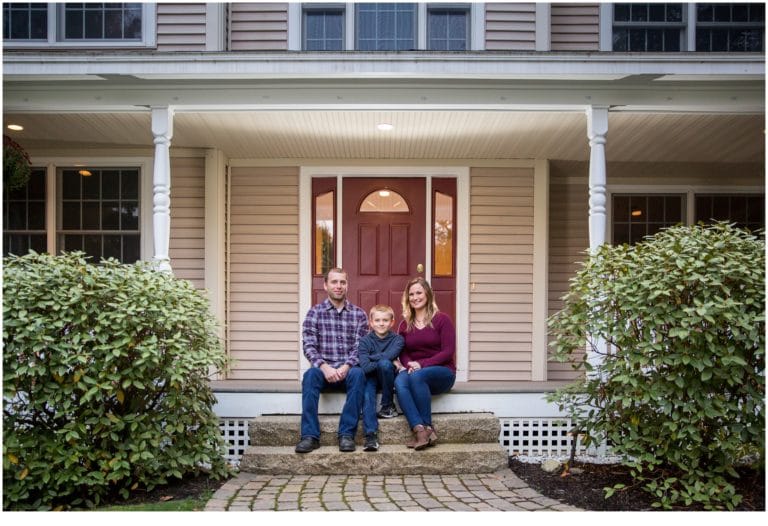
(427, 363)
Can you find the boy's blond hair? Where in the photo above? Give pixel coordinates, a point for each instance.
(382, 308)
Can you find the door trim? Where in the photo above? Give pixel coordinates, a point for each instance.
(460, 173)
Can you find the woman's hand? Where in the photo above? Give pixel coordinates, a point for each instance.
(413, 367)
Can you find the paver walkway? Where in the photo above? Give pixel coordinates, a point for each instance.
(500, 491)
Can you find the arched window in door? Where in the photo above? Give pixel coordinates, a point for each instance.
(384, 200)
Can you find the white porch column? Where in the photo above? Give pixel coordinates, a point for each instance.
(597, 129)
(162, 131)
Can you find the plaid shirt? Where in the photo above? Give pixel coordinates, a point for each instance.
(331, 336)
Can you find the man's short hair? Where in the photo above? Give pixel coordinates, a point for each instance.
(382, 308)
(335, 270)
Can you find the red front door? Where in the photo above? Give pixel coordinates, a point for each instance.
(383, 237)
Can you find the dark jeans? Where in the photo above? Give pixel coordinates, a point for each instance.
(384, 377)
(415, 390)
(314, 383)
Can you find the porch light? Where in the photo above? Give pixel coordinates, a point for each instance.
(15, 127)
(85, 173)
(636, 212)
(384, 126)
(384, 193)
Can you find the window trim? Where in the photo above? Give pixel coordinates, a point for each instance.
(56, 37)
(689, 192)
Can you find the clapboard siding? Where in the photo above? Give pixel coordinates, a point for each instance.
(575, 27)
(510, 26)
(181, 27)
(501, 273)
(187, 242)
(263, 272)
(568, 239)
(257, 26)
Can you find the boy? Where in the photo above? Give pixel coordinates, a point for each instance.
(376, 351)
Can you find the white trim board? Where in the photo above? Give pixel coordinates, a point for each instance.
(503, 405)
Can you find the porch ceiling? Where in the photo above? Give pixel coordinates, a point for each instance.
(435, 134)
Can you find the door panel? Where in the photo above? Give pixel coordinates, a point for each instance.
(381, 250)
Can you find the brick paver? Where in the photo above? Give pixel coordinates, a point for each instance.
(500, 491)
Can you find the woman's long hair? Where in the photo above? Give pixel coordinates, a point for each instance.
(409, 313)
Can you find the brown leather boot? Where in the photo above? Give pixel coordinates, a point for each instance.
(432, 435)
(421, 436)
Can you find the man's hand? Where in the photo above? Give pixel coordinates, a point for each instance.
(342, 372)
(331, 374)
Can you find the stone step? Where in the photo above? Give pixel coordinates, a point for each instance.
(284, 430)
(389, 460)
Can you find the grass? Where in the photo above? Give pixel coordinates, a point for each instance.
(188, 504)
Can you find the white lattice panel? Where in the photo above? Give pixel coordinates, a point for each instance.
(235, 432)
(546, 437)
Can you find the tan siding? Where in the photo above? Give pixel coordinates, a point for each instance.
(501, 271)
(568, 239)
(187, 243)
(575, 27)
(256, 26)
(510, 26)
(263, 271)
(181, 27)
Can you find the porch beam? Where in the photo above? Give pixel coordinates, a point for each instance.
(162, 131)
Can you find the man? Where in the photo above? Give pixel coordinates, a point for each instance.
(330, 335)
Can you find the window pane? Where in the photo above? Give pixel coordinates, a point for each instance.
(70, 216)
(443, 242)
(110, 184)
(112, 247)
(131, 252)
(17, 216)
(324, 246)
(384, 201)
(621, 12)
(71, 184)
(110, 215)
(91, 186)
(36, 215)
(129, 216)
(92, 247)
(91, 216)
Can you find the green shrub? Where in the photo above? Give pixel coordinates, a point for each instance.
(680, 389)
(105, 381)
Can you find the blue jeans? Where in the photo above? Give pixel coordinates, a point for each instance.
(313, 384)
(415, 390)
(383, 376)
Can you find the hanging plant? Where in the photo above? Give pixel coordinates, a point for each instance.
(16, 165)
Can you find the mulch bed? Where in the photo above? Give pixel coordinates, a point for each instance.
(583, 487)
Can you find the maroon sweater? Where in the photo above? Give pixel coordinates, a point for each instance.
(434, 345)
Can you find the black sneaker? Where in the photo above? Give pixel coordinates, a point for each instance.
(307, 444)
(387, 412)
(371, 442)
(346, 443)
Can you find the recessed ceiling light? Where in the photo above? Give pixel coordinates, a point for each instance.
(384, 126)
(85, 173)
(15, 127)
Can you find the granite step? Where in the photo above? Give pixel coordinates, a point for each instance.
(452, 428)
(391, 459)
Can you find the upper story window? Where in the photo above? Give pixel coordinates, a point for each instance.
(79, 25)
(707, 27)
(25, 21)
(648, 27)
(385, 26)
(448, 27)
(323, 27)
(119, 21)
(730, 27)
